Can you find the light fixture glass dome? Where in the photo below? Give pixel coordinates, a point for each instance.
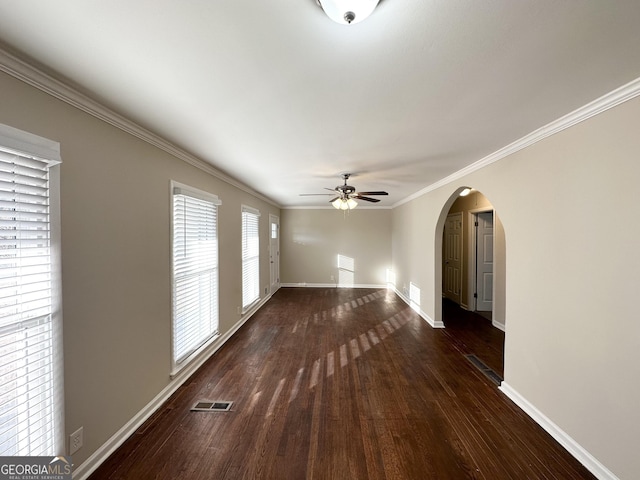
(344, 204)
(348, 12)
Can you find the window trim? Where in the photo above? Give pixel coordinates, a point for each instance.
(17, 142)
(252, 211)
(182, 189)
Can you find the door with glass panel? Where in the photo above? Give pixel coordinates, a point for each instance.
(274, 252)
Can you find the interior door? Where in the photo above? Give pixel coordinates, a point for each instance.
(452, 275)
(274, 253)
(484, 261)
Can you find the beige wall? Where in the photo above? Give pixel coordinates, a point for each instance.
(572, 330)
(572, 276)
(115, 211)
(311, 240)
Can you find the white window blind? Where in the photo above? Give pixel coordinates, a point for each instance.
(250, 256)
(30, 373)
(195, 271)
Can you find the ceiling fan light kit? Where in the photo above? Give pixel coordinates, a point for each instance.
(347, 195)
(344, 204)
(348, 12)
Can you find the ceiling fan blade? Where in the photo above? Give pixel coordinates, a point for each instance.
(366, 199)
(311, 194)
(372, 193)
(333, 199)
(330, 189)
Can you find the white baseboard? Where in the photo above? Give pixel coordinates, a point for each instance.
(589, 461)
(498, 325)
(101, 454)
(331, 285)
(424, 316)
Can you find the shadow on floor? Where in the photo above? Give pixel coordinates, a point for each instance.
(473, 334)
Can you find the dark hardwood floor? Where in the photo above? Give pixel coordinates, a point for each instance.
(344, 384)
(473, 334)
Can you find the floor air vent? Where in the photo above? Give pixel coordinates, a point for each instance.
(208, 406)
(490, 374)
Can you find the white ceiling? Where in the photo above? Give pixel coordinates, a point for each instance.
(276, 95)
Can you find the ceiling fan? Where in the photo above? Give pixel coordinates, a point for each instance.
(345, 195)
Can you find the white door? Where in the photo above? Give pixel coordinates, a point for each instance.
(484, 261)
(274, 252)
(452, 275)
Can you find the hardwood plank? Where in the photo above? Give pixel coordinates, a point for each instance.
(345, 383)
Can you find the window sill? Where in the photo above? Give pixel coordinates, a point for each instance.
(196, 354)
(251, 306)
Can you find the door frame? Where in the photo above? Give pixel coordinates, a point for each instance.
(274, 263)
(473, 260)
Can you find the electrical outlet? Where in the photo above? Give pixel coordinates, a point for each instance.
(75, 441)
(333, 279)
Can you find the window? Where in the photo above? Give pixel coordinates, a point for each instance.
(195, 271)
(31, 402)
(250, 257)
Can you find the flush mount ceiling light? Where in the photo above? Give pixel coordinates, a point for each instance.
(465, 192)
(348, 12)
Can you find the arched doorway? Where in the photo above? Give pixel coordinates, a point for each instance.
(470, 263)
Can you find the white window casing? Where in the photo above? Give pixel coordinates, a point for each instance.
(195, 297)
(31, 366)
(250, 257)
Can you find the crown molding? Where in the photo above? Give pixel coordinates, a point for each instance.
(610, 100)
(23, 71)
(17, 68)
